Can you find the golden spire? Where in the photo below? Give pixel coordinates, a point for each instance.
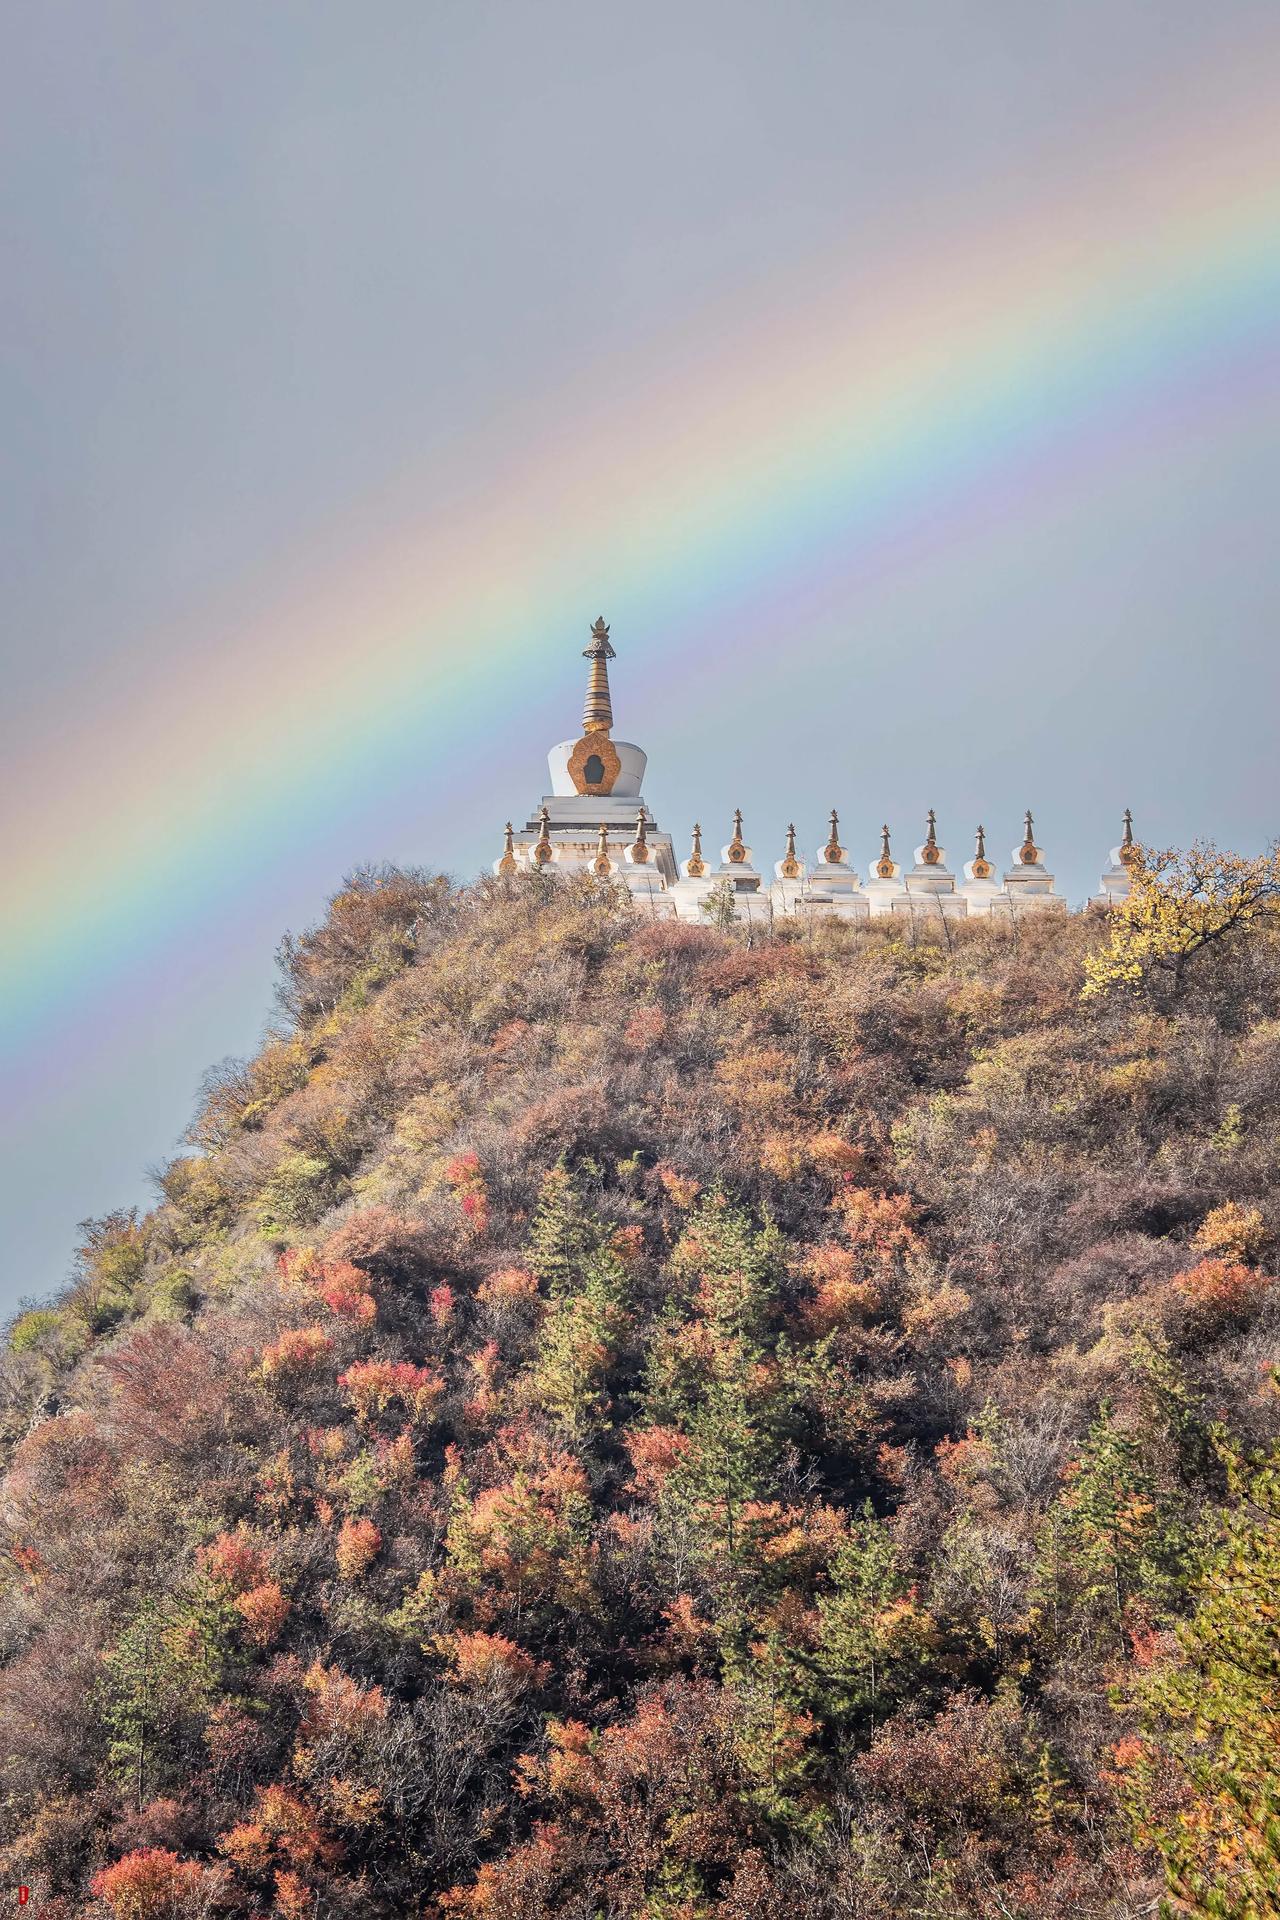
(640, 845)
(695, 866)
(1127, 853)
(833, 852)
(737, 846)
(884, 865)
(790, 864)
(602, 864)
(931, 853)
(597, 712)
(981, 864)
(1029, 852)
(508, 862)
(542, 849)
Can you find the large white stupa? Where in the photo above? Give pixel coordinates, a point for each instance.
(594, 820)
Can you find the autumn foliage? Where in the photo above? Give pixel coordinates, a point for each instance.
(611, 1418)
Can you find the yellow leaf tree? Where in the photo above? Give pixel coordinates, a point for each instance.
(1178, 904)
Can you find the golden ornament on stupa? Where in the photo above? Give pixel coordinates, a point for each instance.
(885, 864)
(1029, 852)
(737, 846)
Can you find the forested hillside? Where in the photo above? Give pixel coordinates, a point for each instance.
(609, 1420)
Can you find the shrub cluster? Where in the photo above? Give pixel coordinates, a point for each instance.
(611, 1420)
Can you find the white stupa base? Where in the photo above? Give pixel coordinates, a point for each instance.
(882, 894)
(926, 907)
(981, 897)
(687, 896)
(834, 877)
(928, 877)
(816, 903)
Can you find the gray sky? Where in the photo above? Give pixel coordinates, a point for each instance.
(278, 279)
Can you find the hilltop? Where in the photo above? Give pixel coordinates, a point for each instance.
(618, 1418)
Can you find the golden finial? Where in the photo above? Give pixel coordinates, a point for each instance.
(542, 848)
(602, 864)
(640, 845)
(1029, 852)
(884, 865)
(1128, 853)
(981, 864)
(508, 862)
(597, 712)
(931, 853)
(833, 852)
(695, 866)
(790, 864)
(737, 846)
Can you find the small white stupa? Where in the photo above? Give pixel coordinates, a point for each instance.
(930, 886)
(1118, 877)
(980, 889)
(1029, 883)
(831, 885)
(884, 879)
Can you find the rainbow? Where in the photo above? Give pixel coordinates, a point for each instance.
(958, 384)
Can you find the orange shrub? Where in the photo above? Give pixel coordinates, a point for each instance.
(359, 1543)
(340, 1705)
(489, 1659)
(878, 1226)
(832, 1153)
(840, 1297)
(1232, 1232)
(681, 1189)
(297, 1353)
(345, 1291)
(655, 1452)
(264, 1611)
(1220, 1293)
(149, 1884)
(294, 1898)
(509, 1286)
(234, 1561)
(372, 1385)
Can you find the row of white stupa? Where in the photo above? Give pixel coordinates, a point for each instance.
(595, 822)
(642, 860)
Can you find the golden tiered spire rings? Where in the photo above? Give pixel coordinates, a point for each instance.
(542, 848)
(833, 852)
(790, 864)
(931, 853)
(597, 712)
(695, 865)
(602, 865)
